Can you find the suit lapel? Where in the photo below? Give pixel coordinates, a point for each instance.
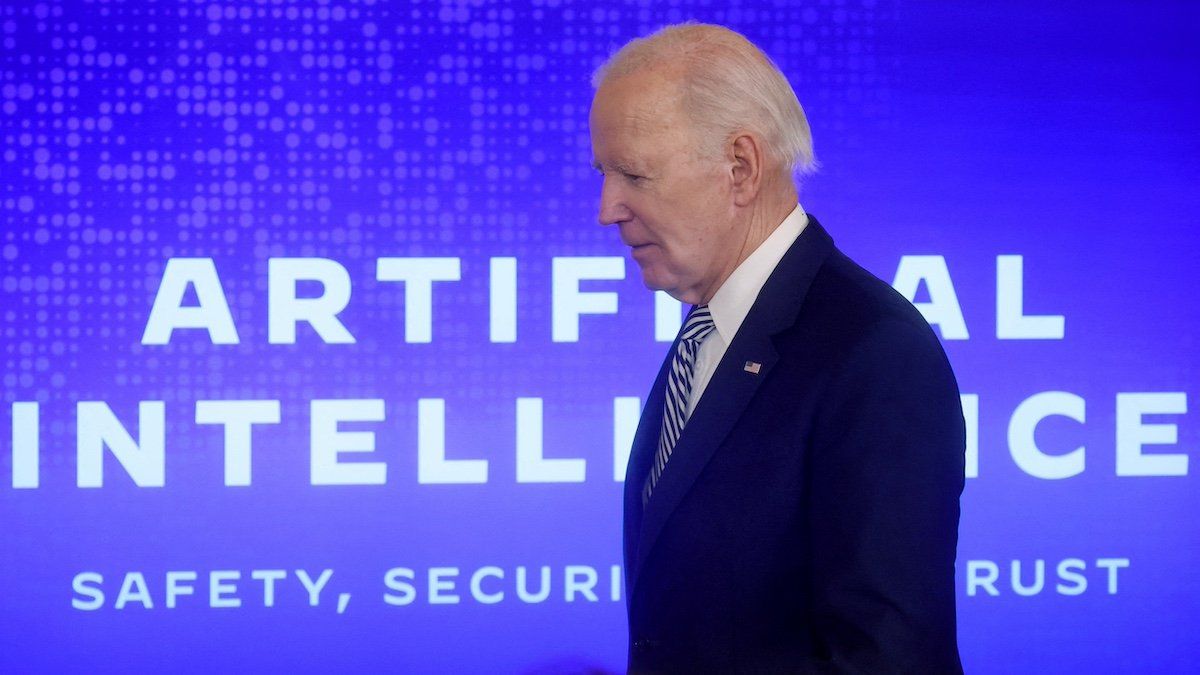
(645, 443)
(726, 396)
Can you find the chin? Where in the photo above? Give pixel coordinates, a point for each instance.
(653, 281)
(669, 289)
(650, 284)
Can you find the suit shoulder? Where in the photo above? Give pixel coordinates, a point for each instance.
(852, 305)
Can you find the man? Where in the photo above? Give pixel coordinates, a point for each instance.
(791, 500)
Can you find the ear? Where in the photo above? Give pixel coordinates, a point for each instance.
(746, 168)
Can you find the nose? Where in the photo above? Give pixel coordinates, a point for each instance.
(613, 210)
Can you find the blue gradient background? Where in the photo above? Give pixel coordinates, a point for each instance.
(137, 132)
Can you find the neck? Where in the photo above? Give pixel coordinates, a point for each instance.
(759, 220)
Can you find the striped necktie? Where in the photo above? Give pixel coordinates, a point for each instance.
(679, 387)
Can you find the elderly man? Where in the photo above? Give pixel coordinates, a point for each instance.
(791, 500)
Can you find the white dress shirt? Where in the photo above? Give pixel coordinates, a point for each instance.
(732, 301)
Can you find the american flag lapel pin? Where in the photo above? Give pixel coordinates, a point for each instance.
(752, 367)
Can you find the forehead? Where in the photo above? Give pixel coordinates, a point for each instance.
(638, 107)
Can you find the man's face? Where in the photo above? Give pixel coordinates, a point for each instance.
(673, 208)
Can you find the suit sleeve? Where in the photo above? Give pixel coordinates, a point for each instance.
(885, 469)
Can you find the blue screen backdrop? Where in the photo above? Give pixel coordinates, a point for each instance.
(315, 356)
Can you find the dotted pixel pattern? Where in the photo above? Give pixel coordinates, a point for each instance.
(137, 132)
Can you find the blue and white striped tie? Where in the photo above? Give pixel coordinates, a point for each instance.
(679, 387)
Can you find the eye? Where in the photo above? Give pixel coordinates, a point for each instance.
(631, 177)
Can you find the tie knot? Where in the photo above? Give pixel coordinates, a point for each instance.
(698, 325)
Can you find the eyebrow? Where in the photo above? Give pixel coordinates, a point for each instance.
(619, 166)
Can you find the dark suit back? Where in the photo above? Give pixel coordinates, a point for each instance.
(807, 519)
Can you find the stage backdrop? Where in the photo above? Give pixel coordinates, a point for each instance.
(315, 357)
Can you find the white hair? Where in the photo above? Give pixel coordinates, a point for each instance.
(729, 85)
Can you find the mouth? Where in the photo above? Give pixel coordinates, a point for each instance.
(641, 252)
(634, 245)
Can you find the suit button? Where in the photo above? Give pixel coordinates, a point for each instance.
(644, 644)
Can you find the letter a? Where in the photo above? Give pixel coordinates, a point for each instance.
(168, 312)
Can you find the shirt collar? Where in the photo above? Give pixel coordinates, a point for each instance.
(732, 301)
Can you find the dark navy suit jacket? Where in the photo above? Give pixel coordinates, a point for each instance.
(808, 516)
